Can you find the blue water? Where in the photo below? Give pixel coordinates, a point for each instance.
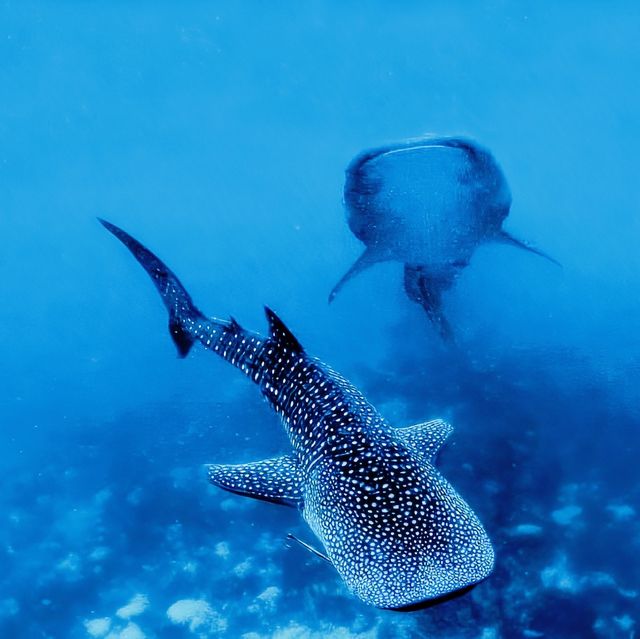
(218, 135)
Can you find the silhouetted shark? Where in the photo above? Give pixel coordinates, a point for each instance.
(429, 204)
(393, 527)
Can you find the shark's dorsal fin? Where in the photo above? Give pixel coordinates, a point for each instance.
(280, 333)
(276, 480)
(426, 439)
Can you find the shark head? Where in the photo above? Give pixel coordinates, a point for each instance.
(393, 527)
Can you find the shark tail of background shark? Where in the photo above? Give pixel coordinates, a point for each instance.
(426, 289)
(176, 299)
(507, 238)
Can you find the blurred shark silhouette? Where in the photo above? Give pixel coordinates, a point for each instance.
(427, 203)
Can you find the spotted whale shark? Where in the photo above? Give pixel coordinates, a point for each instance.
(394, 528)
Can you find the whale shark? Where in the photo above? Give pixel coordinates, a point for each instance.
(427, 203)
(395, 530)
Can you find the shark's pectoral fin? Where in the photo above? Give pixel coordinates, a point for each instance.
(276, 480)
(507, 238)
(426, 439)
(368, 257)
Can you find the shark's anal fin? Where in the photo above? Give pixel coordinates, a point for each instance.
(367, 258)
(426, 439)
(276, 480)
(507, 238)
(308, 547)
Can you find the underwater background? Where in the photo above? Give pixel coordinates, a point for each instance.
(218, 134)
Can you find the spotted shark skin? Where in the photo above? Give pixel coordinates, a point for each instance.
(396, 531)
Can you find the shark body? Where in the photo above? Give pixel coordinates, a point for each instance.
(396, 531)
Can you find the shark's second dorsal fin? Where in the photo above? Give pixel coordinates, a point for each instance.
(280, 333)
(426, 439)
(234, 326)
(276, 480)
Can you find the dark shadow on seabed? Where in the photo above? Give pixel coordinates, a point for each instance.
(532, 452)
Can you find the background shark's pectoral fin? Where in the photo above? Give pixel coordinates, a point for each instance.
(507, 238)
(276, 480)
(368, 257)
(426, 439)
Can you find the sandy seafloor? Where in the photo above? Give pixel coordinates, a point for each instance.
(218, 135)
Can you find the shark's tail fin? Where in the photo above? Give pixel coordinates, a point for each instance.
(426, 289)
(182, 310)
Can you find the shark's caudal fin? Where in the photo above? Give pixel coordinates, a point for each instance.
(174, 295)
(251, 353)
(367, 258)
(507, 238)
(426, 289)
